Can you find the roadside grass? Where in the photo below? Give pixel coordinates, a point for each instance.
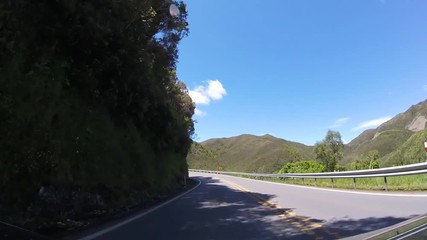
(399, 183)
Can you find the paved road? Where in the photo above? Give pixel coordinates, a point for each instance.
(226, 207)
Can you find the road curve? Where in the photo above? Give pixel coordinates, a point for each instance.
(226, 207)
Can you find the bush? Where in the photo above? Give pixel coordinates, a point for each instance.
(305, 166)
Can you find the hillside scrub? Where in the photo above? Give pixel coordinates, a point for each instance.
(247, 153)
(267, 154)
(389, 136)
(92, 115)
(368, 161)
(306, 166)
(412, 151)
(384, 142)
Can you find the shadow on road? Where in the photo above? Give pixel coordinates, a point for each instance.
(221, 212)
(215, 211)
(351, 227)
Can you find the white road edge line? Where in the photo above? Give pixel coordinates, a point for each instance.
(24, 230)
(109, 229)
(326, 189)
(422, 228)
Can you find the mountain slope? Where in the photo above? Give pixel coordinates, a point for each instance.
(390, 135)
(412, 151)
(247, 153)
(398, 141)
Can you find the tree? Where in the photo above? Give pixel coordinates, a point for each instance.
(293, 152)
(89, 97)
(304, 166)
(329, 150)
(372, 158)
(367, 161)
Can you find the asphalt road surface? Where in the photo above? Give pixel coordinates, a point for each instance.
(226, 207)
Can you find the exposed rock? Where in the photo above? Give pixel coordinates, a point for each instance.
(376, 135)
(417, 124)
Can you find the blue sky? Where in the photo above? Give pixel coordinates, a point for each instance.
(296, 68)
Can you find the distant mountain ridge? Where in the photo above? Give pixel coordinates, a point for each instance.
(247, 153)
(398, 141)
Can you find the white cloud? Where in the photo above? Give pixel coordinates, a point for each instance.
(425, 87)
(339, 122)
(213, 90)
(372, 123)
(198, 96)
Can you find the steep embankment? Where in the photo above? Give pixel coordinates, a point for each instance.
(92, 116)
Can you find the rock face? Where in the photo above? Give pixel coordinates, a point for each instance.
(418, 124)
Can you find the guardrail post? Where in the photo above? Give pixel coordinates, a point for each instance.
(332, 180)
(315, 182)
(354, 183)
(385, 183)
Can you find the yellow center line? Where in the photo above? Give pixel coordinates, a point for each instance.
(288, 215)
(264, 202)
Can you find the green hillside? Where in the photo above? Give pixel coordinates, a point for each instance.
(200, 157)
(398, 141)
(247, 153)
(412, 151)
(389, 136)
(384, 142)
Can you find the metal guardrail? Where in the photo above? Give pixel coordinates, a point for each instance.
(412, 169)
(401, 230)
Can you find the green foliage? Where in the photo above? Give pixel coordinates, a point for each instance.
(384, 142)
(329, 151)
(368, 161)
(340, 168)
(412, 151)
(89, 96)
(294, 153)
(306, 166)
(200, 157)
